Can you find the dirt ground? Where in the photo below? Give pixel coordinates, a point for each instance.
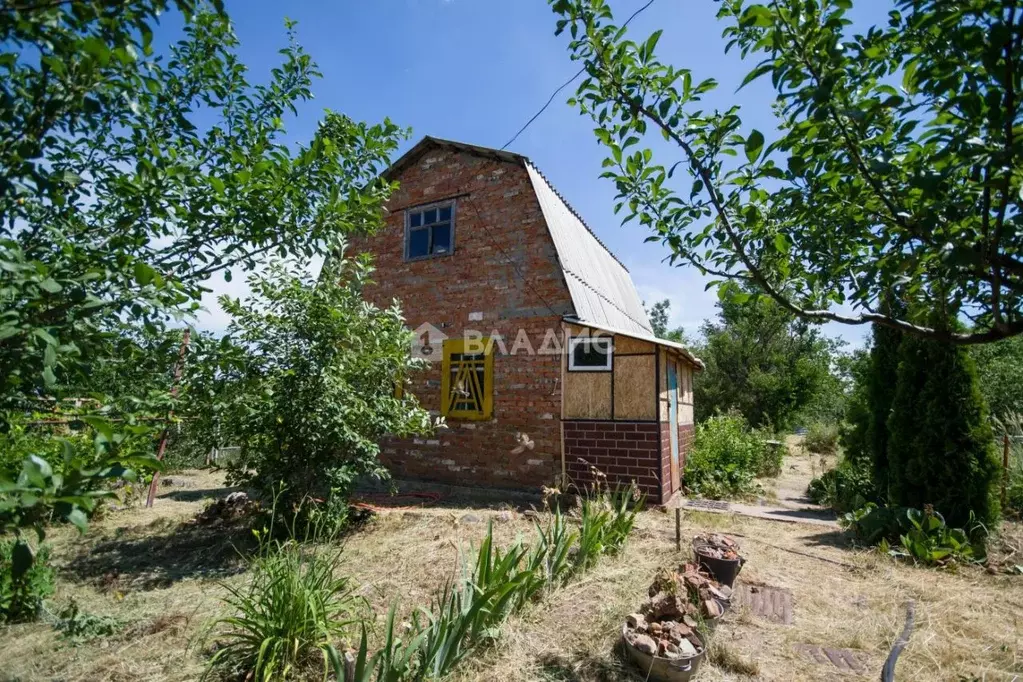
(163, 577)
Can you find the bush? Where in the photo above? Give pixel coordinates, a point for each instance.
(845, 488)
(726, 458)
(941, 448)
(822, 438)
(921, 535)
(304, 383)
(22, 592)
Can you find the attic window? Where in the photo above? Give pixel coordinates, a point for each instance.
(590, 354)
(430, 231)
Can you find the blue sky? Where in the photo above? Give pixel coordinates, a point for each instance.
(475, 71)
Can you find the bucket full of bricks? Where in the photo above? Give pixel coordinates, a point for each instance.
(667, 638)
(719, 555)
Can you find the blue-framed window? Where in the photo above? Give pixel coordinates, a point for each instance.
(430, 231)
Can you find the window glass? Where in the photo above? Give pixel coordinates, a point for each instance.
(419, 243)
(430, 231)
(590, 353)
(441, 238)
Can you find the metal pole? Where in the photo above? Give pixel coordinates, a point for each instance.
(174, 392)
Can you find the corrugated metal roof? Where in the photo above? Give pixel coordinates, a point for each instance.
(602, 291)
(601, 288)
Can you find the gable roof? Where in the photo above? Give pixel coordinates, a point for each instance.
(602, 291)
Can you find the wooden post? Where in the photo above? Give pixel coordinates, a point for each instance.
(678, 528)
(174, 391)
(1005, 466)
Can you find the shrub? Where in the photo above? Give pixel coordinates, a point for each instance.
(881, 388)
(822, 438)
(726, 458)
(22, 591)
(80, 626)
(941, 447)
(921, 535)
(845, 488)
(304, 382)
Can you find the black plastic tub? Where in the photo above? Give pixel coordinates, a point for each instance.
(722, 570)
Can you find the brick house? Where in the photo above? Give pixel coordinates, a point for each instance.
(543, 359)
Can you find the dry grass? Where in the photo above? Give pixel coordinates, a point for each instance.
(136, 565)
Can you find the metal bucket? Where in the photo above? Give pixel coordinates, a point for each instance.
(660, 669)
(722, 570)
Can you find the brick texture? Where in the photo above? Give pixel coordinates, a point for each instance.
(504, 268)
(623, 451)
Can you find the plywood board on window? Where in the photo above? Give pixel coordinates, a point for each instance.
(634, 393)
(587, 395)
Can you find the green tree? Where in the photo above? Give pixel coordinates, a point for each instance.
(659, 313)
(761, 361)
(895, 161)
(881, 387)
(304, 382)
(128, 178)
(941, 448)
(1000, 370)
(854, 437)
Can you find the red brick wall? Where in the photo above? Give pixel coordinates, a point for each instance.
(666, 491)
(495, 251)
(624, 451)
(686, 436)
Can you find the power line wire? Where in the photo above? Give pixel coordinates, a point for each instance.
(565, 85)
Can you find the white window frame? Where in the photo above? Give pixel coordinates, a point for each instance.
(576, 340)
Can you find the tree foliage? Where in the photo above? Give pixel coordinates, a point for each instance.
(1000, 371)
(762, 362)
(304, 381)
(117, 201)
(880, 394)
(895, 164)
(128, 178)
(658, 314)
(941, 448)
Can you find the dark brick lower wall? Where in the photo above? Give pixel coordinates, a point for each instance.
(686, 436)
(623, 451)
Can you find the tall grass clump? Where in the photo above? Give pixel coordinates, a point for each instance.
(291, 616)
(467, 614)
